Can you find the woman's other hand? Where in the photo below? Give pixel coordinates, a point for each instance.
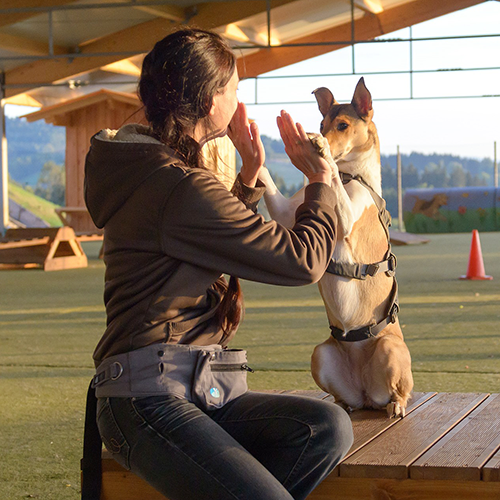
(246, 139)
(301, 151)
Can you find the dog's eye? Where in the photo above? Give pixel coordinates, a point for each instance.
(342, 126)
(321, 127)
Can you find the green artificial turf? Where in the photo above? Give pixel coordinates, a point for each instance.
(50, 323)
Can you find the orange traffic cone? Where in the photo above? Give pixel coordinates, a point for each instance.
(475, 269)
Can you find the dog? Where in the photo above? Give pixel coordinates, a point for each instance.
(365, 363)
(430, 208)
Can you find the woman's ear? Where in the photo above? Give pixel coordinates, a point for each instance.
(212, 109)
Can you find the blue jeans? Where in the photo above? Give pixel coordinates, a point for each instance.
(258, 447)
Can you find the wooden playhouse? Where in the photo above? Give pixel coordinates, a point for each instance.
(85, 116)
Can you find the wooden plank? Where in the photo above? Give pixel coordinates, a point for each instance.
(90, 236)
(399, 238)
(408, 489)
(491, 471)
(4, 244)
(311, 394)
(120, 484)
(390, 455)
(31, 232)
(368, 424)
(461, 454)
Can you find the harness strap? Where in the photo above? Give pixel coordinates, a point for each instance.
(361, 271)
(383, 214)
(370, 331)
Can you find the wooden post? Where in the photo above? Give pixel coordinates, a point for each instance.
(495, 165)
(4, 176)
(400, 193)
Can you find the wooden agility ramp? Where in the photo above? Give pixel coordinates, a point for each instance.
(50, 249)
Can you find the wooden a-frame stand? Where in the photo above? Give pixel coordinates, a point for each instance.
(51, 249)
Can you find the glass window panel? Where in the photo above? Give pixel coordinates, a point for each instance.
(246, 90)
(457, 53)
(338, 61)
(459, 23)
(388, 56)
(456, 84)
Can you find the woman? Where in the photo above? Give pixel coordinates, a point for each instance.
(171, 231)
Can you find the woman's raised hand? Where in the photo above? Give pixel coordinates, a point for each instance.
(246, 139)
(301, 151)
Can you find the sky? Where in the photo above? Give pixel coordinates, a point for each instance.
(462, 127)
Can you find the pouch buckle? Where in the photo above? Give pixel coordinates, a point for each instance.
(119, 372)
(112, 372)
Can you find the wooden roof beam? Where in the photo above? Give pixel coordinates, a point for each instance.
(124, 67)
(138, 38)
(16, 17)
(370, 6)
(366, 28)
(172, 12)
(25, 46)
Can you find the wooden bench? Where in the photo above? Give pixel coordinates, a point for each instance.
(51, 249)
(446, 448)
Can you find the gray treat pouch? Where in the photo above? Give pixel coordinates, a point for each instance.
(220, 376)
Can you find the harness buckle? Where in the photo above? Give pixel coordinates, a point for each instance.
(391, 265)
(393, 313)
(372, 269)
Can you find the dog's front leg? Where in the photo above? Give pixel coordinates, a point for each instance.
(343, 207)
(281, 209)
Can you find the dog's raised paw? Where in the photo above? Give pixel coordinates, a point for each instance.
(321, 144)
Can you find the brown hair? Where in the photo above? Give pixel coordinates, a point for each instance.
(179, 80)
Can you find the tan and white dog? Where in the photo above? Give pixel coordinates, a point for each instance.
(365, 363)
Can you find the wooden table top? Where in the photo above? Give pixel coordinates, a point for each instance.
(454, 436)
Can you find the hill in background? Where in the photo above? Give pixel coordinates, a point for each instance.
(40, 207)
(31, 145)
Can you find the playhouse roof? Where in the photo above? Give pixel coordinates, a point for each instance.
(63, 108)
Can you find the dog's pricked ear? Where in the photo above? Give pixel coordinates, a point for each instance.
(325, 99)
(362, 100)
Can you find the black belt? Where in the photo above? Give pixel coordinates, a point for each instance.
(92, 450)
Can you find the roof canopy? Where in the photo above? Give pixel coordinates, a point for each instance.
(59, 49)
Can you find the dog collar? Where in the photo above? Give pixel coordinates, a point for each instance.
(370, 331)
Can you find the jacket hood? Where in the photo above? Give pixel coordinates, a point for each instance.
(118, 162)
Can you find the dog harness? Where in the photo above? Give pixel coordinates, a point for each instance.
(362, 271)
